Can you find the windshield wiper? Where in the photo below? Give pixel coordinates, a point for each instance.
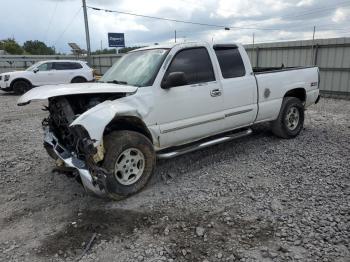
(117, 82)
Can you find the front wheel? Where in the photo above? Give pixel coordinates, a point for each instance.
(129, 160)
(20, 87)
(78, 80)
(291, 118)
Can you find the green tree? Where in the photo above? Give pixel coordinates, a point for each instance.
(38, 48)
(127, 49)
(103, 51)
(113, 51)
(11, 46)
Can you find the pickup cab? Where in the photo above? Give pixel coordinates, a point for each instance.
(164, 101)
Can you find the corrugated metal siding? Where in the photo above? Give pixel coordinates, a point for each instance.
(332, 56)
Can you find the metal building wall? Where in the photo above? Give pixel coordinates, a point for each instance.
(332, 56)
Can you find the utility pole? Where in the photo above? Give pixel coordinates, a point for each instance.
(175, 36)
(253, 48)
(87, 33)
(313, 44)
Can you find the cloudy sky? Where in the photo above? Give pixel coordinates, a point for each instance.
(57, 22)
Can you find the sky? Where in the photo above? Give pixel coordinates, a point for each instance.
(57, 22)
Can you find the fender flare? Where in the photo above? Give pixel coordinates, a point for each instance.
(22, 79)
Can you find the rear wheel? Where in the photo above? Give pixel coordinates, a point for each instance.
(78, 79)
(130, 160)
(20, 87)
(291, 118)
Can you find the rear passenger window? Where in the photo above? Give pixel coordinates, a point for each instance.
(67, 66)
(76, 66)
(230, 61)
(195, 63)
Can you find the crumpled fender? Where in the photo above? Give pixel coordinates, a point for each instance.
(97, 118)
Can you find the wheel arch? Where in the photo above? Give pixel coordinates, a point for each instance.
(78, 76)
(20, 79)
(299, 92)
(131, 123)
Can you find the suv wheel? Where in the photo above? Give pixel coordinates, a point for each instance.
(78, 80)
(291, 118)
(20, 87)
(130, 160)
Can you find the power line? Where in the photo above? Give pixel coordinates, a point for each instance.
(51, 19)
(179, 21)
(68, 25)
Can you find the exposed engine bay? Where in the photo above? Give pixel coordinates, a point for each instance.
(64, 110)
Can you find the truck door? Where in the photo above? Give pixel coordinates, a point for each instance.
(239, 86)
(191, 110)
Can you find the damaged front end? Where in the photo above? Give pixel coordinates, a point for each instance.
(71, 145)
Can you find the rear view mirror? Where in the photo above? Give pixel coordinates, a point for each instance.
(174, 79)
(35, 70)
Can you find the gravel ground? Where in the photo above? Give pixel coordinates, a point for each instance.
(259, 198)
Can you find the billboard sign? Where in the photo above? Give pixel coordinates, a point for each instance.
(116, 40)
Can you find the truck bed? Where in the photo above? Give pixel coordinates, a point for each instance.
(272, 88)
(268, 70)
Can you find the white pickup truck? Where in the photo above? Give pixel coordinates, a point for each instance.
(164, 101)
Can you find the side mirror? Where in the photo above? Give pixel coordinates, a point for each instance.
(174, 79)
(36, 70)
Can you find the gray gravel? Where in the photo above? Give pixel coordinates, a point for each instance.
(256, 199)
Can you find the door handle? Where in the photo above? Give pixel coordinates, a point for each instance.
(215, 92)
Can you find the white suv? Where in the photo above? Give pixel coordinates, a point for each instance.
(46, 73)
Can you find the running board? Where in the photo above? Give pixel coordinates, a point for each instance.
(191, 148)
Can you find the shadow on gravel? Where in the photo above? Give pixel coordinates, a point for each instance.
(9, 94)
(80, 228)
(178, 229)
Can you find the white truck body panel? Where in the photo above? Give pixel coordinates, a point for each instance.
(286, 80)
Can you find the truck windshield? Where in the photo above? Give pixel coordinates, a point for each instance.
(137, 68)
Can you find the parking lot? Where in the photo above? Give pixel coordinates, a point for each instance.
(259, 198)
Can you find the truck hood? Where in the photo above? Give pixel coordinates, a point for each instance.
(47, 91)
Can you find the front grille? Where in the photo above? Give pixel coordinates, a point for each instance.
(0, 78)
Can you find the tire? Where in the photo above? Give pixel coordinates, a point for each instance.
(128, 171)
(21, 86)
(78, 79)
(290, 120)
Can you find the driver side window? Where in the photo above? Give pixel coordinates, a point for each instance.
(45, 67)
(195, 63)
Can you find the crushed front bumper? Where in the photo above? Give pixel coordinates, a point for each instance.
(57, 151)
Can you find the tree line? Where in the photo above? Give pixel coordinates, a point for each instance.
(36, 47)
(30, 47)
